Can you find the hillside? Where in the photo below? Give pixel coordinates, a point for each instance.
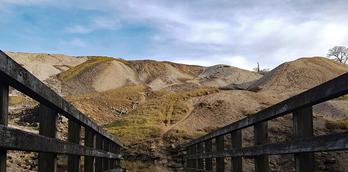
(153, 106)
(44, 66)
(223, 75)
(299, 75)
(99, 74)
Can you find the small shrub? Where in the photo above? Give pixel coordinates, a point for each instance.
(15, 100)
(344, 97)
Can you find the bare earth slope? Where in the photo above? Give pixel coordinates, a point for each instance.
(223, 75)
(45, 65)
(300, 74)
(104, 73)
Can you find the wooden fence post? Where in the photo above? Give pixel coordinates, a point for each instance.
(99, 161)
(261, 137)
(48, 128)
(90, 142)
(220, 162)
(236, 140)
(74, 134)
(188, 161)
(191, 161)
(118, 151)
(105, 160)
(194, 151)
(200, 151)
(303, 127)
(4, 98)
(112, 161)
(208, 147)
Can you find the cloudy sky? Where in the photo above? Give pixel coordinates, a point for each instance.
(204, 32)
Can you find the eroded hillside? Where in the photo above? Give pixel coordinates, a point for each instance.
(153, 107)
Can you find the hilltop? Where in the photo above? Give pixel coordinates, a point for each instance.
(44, 66)
(298, 75)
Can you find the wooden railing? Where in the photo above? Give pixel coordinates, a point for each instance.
(100, 150)
(198, 154)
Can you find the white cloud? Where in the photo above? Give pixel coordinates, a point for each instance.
(97, 23)
(239, 61)
(75, 42)
(23, 2)
(269, 31)
(78, 29)
(208, 32)
(193, 61)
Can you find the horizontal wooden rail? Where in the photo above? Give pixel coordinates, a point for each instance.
(333, 142)
(19, 78)
(14, 139)
(329, 90)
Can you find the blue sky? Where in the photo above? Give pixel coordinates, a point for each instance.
(203, 32)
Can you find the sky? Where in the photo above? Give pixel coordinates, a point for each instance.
(204, 32)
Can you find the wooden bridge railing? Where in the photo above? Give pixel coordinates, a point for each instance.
(198, 154)
(100, 150)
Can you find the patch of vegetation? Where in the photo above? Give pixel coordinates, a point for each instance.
(72, 72)
(15, 100)
(339, 124)
(162, 108)
(141, 166)
(344, 97)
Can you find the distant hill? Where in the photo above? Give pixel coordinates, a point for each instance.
(299, 75)
(43, 65)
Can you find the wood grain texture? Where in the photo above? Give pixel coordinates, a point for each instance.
(4, 98)
(89, 142)
(74, 134)
(303, 127)
(14, 139)
(48, 128)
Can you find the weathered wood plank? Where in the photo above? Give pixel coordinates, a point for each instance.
(189, 161)
(106, 147)
(194, 161)
(36, 143)
(16, 76)
(48, 128)
(200, 161)
(118, 151)
(113, 162)
(326, 91)
(99, 161)
(303, 127)
(220, 161)
(4, 98)
(89, 142)
(74, 134)
(208, 146)
(261, 137)
(236, 143)
(332, 142)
